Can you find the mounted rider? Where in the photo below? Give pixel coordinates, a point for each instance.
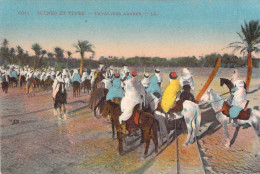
(85, 76)
(129, 101)
(170, 94)
(145, 82)
(139, 87)
(157, 74)
(55, 87)
(13, 73)
(107, 81)
(75, 76)
(239, 100)
(235, 76)
(154, 87)
(116, 92)
(187, 79)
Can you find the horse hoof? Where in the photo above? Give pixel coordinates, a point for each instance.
(142, 158)
(185, 144)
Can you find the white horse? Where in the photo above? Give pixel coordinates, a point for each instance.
(192, 115)
(217, 102)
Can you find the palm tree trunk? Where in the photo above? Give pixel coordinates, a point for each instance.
(249, 70)
(81, 64)
(211, 77)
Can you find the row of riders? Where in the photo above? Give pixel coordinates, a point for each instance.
(132, 103)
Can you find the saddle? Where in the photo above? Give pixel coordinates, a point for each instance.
(133, 122)
(243, 115)
(178, 107)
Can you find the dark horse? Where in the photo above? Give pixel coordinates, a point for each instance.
(76, 88)
(47, 83)
(97, 80)
(86, 85)
(228, 83)
(5, 84)
(146, 123)
(97, 100)
(60, 100)
(13, 81)
(22, 80)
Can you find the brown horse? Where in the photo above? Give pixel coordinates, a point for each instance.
(86, 85)
(12, 81)
(30, 85)
(47, 83)
(97, 80)
(22, 80)
(60, 101)
(146, 122)
(97, 100)
(76, 88)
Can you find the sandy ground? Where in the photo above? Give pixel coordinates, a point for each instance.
(40, 143)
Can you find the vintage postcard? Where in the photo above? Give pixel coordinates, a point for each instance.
(129, 86)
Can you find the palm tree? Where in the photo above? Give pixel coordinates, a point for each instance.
(43, 52)
(50, 55)
(58, 53)
(250, 42)
(37, 50)
(69, 55)
(12, 55)
(4, 52)
(20, 54)
(82, 47)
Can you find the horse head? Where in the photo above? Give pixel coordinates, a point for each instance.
(221, 81)
(106, 109)
(206, 97)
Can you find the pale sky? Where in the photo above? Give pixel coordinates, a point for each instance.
(180, 28)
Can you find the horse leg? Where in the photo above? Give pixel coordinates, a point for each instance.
(189, 128)
(113, 129)
(120, 142)
(64, 112)
(155, 139)
(147, 142)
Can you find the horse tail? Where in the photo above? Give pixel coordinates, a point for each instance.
(196, 121)
(154, 123)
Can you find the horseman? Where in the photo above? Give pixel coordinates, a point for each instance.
(57, 80)
(66, 76)
(13, 73)
(85, 76)
(59, 94)
(75, 76)
(187, 79)
(107, 81)
(239, 100)
(138, 86)
(4, 81)
(154, 87)
(92, 76)
(129, 101)
(36, 74)
(235, 76)
(146, 80)
(157, 74)
(30, 80)
(52, 74)
(42, 76)
(170, 94)
(116, 92)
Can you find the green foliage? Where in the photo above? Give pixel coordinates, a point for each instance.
(60, 66)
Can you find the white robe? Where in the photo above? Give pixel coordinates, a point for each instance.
(129, 101)
(239, 98)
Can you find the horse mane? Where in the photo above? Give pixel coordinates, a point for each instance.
(96, 96)
(217, 100)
